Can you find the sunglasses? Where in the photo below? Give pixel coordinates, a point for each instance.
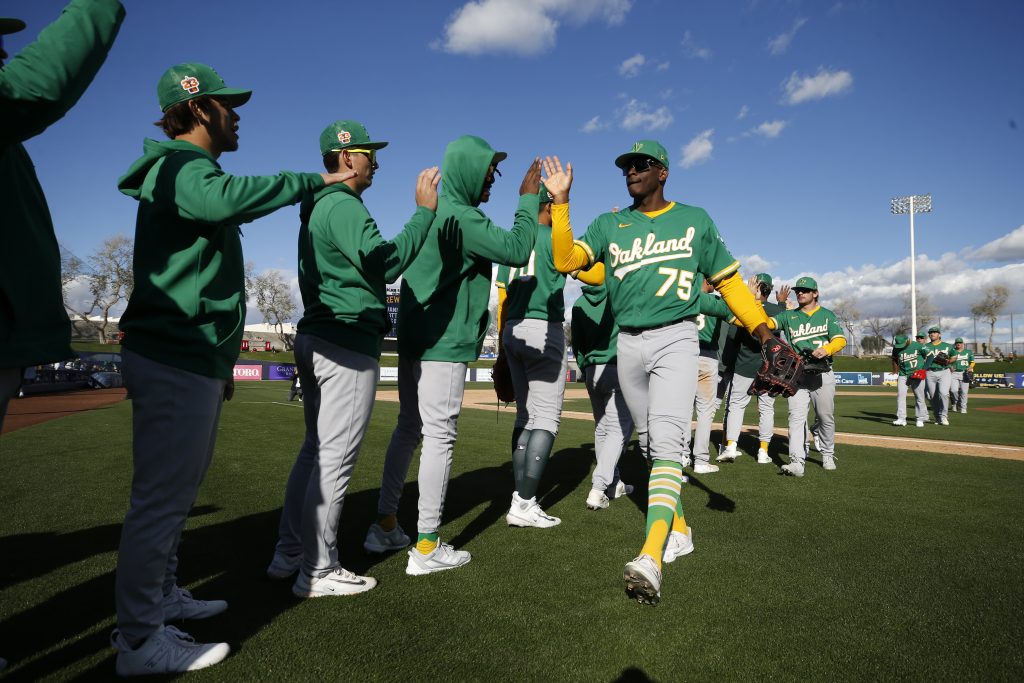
(640, 165)
(802, 290)
(371, 154)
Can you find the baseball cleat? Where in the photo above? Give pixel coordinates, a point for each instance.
(166, 651)
(828, 462)
(339, 582)
(945, 421)
(793, 469)
(705, 468)
(728, 454)
(443, 557)
(920, 423)
(181, 605)
(679, 544)
(763, 458)
(597, 500)
(283, 566)
(527, 513)
(380, 541)
(622, 489)
(643, 580)
(900, 423)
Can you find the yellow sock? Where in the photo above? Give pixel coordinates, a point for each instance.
(731, 443)
(764, 445)
(425, 546)
(654, 546)
(387, 522)
(679, 522)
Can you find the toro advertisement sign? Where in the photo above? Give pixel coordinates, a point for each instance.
(244, 373)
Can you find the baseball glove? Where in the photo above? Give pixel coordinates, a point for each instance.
(781, 372)
(812, 365)
(502, 376)
(941, 359)
(919, 374)
(968, 376)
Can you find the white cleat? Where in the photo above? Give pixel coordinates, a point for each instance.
(763, 458)
(380, 541)
(793, 469)
(705, 468)
(728, 454)
(597, 500)
(643, 580)
(339, 582)
(920, 423)
(828, 462)
(945, 421)
(443, 557)
(165, 652)
(679, 544)
(622, 489)
(527, 513)
(900, 423)
(181, 605)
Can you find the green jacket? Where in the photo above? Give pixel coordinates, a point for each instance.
(594, 331)
(442, 313)
(345, 266)
(37, 87)
(535, 290)
(188, 307)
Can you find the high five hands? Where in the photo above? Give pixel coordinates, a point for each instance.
(557, 180)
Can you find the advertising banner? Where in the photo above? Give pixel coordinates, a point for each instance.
(990, 379)
(1018, 380)
(889, 379)
(283, 371)
(389, 374)
(248, 372)
(391, 299)
(853, 379)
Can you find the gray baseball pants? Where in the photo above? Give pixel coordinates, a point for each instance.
(612, 422)
(658, 378)
(430, 397)
(959, 388)
(819, 390)
(10, 380)
(174, 428)
(917, 386)
(340, 387)
(938, 389)
(738, 398)
(535, 350)
(706, 402)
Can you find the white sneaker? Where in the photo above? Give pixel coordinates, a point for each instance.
(828, 462)
(380, 541)
(963, 410)
(763, 458)
(443, 557)
(181, 605)
(728, 454)
(526, 512)
(597, 500)
(166, 651)
(793, 469)
(622, 489)
(679, 544)
(643, 580)
(920, 423)
(339, 582)
(705, 468)
(945, 421)
(900, 423)
(283, 566)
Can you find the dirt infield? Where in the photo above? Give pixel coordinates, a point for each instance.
(1016, 409)
(31, 410)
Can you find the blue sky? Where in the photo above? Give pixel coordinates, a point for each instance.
(792, 123)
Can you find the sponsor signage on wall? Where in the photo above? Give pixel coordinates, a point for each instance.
(853, 378)
(279, 371)
(248, 372)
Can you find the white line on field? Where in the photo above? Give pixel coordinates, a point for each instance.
(926, 441)
(275, 403)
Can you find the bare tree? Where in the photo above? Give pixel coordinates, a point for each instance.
(848, 314)
(926, 313)
(274, 301)
(109, 277)
(991, 307)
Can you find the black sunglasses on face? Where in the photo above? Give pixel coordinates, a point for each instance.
(640, 165)
(801, 290)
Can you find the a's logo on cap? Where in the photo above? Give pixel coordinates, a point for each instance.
(637, 146)
(190, 84)
(344, 137)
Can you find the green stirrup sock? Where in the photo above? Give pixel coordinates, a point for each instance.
(520, 439)
(538, 450)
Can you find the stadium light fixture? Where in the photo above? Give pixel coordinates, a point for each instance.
(914, 203)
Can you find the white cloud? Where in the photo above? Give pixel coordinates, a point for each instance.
(664, 66)
(631, 67)
(754, 264)
(636, 114)
(823, 84)
(744, 110)
(768, 129)
(666, 93)
(698, 150)
(692, 49)
(523, 27)
(593, 125)
(780, 43)
(1009, 247)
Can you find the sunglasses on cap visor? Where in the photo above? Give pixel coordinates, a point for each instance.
(639, 164)
(371, 154)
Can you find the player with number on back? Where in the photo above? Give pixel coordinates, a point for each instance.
(908, 364)
(963, 373)
(938, 356)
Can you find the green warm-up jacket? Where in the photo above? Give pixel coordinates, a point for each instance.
(188, 306)
(37, 87)
(442, 313)
(594, 332)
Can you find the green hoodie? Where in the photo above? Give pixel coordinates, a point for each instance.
(594, 331)
(345, 265)
(442, 313)
(188, 306)
(37, 87)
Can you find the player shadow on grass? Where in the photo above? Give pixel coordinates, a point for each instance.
(881, 418)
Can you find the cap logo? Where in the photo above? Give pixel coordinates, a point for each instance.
(344, 137)
(190, 84)
(637, 146)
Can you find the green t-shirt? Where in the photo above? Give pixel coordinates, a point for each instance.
(909, 358)
(652, 264)
(933, 349)
(713, 312)
(534, 290)
(809, 331)
(963, 359)
(594, 332)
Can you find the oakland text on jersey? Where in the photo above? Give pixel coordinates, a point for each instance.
(637, 255)
(806, 331)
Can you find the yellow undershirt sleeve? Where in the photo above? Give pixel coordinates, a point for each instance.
(592, 276)
(567, 254)
(835, 345)
(502, 297)
(742, 303)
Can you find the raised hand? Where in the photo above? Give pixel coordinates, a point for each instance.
(426, 188)
(782, 294)
(531, 183)
(339, 177)
(755, 286)
(558, 181)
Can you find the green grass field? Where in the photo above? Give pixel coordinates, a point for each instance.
(899, 565)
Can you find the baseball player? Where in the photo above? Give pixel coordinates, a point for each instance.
(344, 269)
(962, 369)
(938, 356)
(594, 336)
(713, 312)
(37, 87)
(742, 360)
(814, 331)
(654, 253)
(182, 333)
(442, 320)
(922, 339)
(530, 314)
(907, 358)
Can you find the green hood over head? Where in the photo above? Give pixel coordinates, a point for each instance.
(466, 160)
(152, 152)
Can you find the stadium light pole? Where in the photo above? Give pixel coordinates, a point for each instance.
(914, 203)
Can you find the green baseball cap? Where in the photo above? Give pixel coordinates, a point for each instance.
(644, 148)
(345, 134)
(545, 196)
(900, 341)
(919, 335)
(9, 25)
(806, 283)
(934, 328)
(189, 80)
(765, 278)
(958, 340)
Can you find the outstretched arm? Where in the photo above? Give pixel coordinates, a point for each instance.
(568, 255)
